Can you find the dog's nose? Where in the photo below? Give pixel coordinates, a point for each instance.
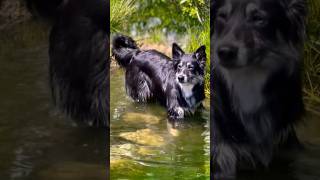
(227, 53)
(180, 78)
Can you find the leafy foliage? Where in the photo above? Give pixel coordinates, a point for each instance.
(196, 9)
(171, 16)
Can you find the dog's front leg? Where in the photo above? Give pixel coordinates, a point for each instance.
(175, 111)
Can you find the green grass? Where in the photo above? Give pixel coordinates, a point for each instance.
(120, 10)
(311, 73)
(198, 36)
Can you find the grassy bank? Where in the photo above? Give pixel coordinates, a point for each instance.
(311, 74)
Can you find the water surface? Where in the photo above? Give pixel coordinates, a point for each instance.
(145, 146)
(36, 141)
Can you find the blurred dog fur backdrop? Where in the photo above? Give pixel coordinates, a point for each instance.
(79, 57)
(256, 94)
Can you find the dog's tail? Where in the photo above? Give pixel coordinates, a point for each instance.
(123, 48)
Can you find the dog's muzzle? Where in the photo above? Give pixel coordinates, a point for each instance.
(227, 55)
(181, 79)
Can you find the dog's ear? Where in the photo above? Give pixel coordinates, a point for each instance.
(177, 52)
(200, 54)
(296, 11)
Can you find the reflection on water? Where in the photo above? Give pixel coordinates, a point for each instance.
(145, 146)
(36, 142)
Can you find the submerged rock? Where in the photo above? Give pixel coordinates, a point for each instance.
(122, 150)
(140, 118)
(145, 151)
(119, 163)
(144, 136)
(129, 150)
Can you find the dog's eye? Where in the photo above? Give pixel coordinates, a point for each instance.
(190, 67)
(222, 16)
(259, 20)
(179, 66)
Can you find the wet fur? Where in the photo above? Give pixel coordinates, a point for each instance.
(79, 57)
(151, 75)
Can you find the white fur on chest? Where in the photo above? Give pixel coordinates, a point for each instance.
(187, 93)
(186, 90)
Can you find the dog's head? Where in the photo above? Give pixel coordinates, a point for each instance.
(189, 68)
(247, 32)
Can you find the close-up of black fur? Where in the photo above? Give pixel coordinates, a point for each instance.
(79, 57)
(151, 75)
(256, 93)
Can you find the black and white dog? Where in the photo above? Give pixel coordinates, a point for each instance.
(256, 86)
(79, 57)
(150, 75)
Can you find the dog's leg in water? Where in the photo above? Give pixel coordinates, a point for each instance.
(174, 110)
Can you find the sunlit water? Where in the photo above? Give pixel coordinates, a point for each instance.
(145, 146)
(36, 142)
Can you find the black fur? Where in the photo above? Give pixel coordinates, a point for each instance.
(47, 9)
(79, 63)
(256, 86)
(151, 75)
(79, 57)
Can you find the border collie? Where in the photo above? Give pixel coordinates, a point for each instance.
(79, 57)
(257, 97)
(150, 75)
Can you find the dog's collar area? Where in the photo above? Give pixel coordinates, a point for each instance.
(187, 90)
(188, 94)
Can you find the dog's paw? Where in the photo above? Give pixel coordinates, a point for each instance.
(176, 113)
(180, 112)
(188, 112)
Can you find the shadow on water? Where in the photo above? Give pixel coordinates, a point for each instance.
(144, 145)
(36, 142)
